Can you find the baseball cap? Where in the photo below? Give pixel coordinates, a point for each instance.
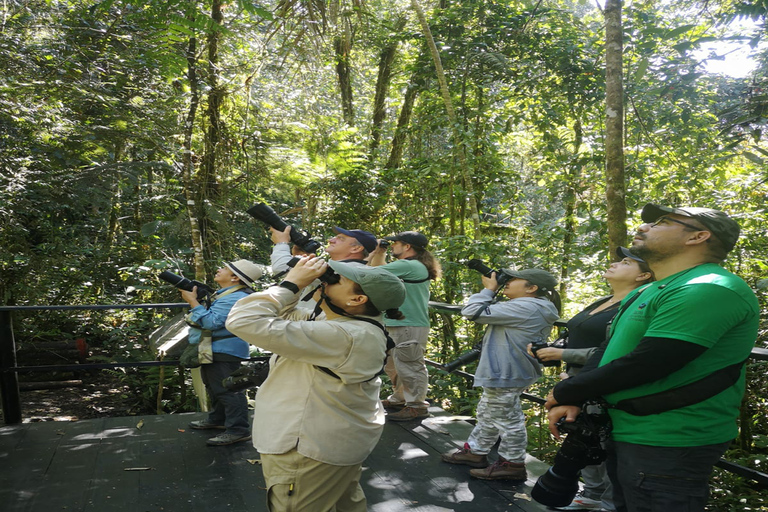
(623, 252)
(366, 239)
(716, 221)
(247, 271)
(413, 238)
(384, 289)
(541, 278)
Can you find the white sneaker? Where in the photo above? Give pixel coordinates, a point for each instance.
(581, 503)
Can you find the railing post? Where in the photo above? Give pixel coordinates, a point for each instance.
(9, 380)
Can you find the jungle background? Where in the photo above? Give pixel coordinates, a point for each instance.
(134, 135)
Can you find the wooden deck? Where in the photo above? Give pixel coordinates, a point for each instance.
(155, 463)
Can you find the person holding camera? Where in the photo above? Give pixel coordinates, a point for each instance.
(406, 367)
(585, 333)
(319, 410)
(672, 370)
(229, 409)
(505, 368)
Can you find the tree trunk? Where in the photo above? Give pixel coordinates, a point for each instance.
(342, 46)
(386, 57)
(615, 188)
(188, 183)
(401, 131)
(461, 155)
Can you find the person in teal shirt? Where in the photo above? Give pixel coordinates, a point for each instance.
(406, 367)
(672, 369)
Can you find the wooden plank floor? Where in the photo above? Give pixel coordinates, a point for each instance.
(111, 465)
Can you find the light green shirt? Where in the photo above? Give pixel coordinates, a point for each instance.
(416, 305)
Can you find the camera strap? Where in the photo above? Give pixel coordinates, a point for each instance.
(683, 396)
(339, 311)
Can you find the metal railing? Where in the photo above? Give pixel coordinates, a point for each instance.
(9, 382)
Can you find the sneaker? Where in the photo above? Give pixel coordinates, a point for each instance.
(466, 457)
(391, 404)
(225, 439)
(205, 425)
(409, 413)
(582, 503)
(502, 469)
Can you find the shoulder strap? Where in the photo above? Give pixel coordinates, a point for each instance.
(683, 396)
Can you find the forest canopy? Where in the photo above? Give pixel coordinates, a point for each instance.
(134, 135)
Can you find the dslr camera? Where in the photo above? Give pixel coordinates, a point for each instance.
(501, 276)
(182, 283)
(249, 375)
(541, 343)
(582, 447)
(268, 216)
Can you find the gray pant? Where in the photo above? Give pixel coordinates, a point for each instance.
(406, 367)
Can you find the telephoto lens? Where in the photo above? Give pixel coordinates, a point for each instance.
(539, 344)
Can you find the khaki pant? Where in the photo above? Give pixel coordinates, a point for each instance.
(406, 367)
(299, 484)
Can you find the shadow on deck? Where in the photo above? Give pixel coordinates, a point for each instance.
(155, 463)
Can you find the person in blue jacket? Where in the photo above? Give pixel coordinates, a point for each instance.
(229, 409)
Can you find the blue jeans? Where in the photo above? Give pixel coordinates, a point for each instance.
(227, 408)
(659, 478)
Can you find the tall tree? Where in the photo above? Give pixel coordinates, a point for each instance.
(615, 190)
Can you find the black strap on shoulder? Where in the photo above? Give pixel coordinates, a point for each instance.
(409, 281)
(683, 396)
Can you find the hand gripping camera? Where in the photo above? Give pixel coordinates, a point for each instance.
(268, 216)
(182, 283)
(582, 447)
(541, 343)
(328, 277)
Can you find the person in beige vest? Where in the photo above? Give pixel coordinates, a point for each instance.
(319, 413)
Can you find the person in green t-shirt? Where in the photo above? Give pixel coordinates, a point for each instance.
(672, 368)
(405, 365)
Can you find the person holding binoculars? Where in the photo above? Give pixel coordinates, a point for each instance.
(319, 410)
(406, 367)
(506, 369)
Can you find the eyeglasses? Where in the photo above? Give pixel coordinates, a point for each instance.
(663, 219)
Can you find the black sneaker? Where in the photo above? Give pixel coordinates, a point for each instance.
(205, 425)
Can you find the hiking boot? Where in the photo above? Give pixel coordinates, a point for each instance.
(409, 413)
(466, 457)
(225, 439)
(391, 404)
(205, 425)
(502, 469)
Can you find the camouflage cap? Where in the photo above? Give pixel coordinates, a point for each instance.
(719, 223)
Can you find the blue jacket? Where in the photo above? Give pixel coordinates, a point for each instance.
(213, 319)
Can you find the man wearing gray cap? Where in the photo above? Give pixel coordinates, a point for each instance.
(672, 369)
(406, 367)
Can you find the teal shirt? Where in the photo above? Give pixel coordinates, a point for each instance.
(705, 305)
(416, 305)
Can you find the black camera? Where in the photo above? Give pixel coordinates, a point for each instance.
(182, 283)
(582, 447)
(464, 359)
(268, 216)
(539, 344)
(501, 276)
(249, 375)
(328, 277)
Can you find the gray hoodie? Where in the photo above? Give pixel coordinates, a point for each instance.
(512, 325)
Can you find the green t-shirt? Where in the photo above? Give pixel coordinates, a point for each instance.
(705, 305)
(416, 305)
